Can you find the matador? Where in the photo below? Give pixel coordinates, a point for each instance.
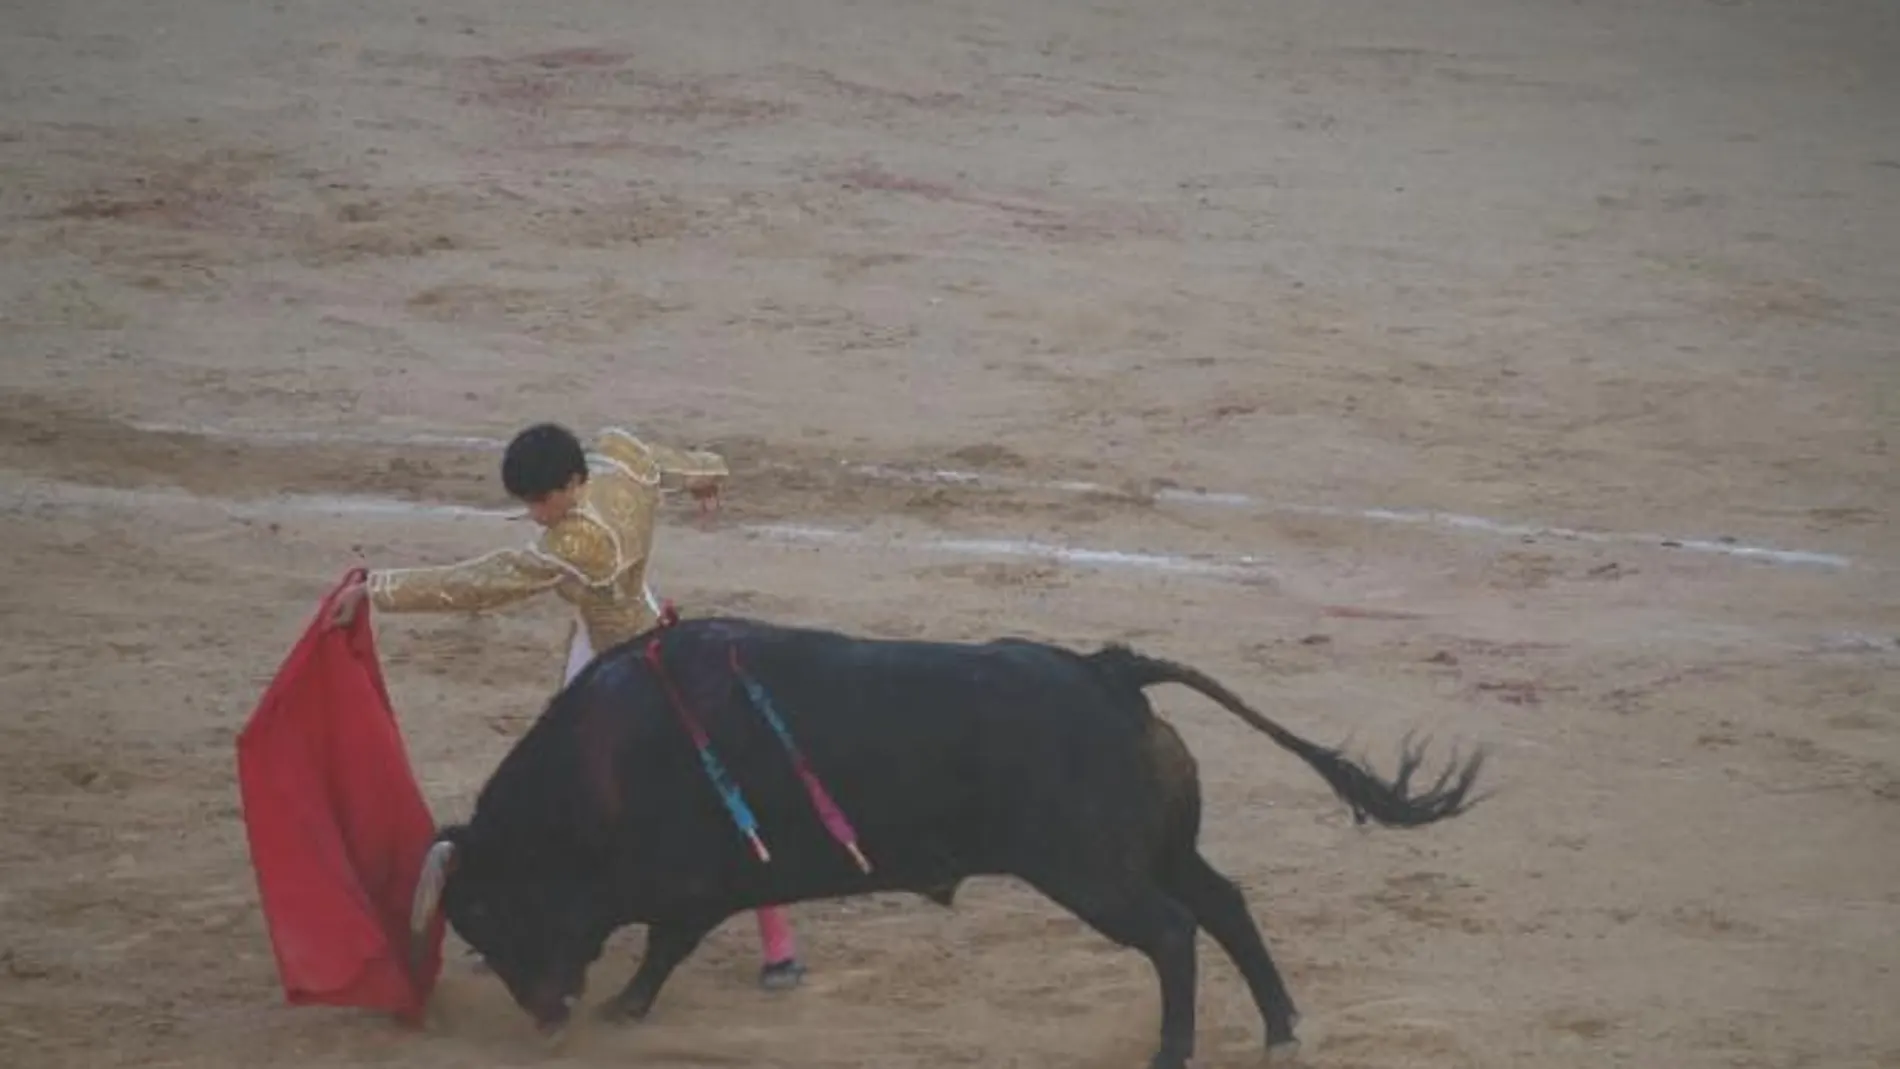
(597, 511)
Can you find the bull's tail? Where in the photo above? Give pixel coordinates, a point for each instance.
(1389, 802)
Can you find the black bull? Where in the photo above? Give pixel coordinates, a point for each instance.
(952, 760)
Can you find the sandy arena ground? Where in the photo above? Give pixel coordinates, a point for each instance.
(1625, 267)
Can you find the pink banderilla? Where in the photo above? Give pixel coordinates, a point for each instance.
(828, 812)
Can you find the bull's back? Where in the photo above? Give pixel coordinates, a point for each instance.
(964, 741)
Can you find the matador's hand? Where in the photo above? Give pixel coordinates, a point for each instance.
(348, 600)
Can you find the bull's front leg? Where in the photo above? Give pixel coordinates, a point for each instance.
(668, 944)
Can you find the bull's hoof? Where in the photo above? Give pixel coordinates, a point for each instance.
(782, 975)
(622, 1011)
(1283, 1052)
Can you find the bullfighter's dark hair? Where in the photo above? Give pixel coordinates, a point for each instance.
(540, 460)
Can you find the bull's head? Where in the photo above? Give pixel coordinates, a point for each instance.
(536, 923)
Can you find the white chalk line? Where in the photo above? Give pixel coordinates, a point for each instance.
(1234, 568)
(29, 494)
(1415, 517)
(242, 434)
(1453, 520)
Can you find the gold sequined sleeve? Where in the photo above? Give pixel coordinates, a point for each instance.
(677, 469)
(486, 582)
(583, 549)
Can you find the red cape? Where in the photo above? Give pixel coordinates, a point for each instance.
(337, 825)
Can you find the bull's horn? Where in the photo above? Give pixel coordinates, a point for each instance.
(428, 895)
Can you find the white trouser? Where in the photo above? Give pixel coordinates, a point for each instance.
(580, 650)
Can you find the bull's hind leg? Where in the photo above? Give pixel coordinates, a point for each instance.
(668, 945)
(1221, 909)
(1141, 917)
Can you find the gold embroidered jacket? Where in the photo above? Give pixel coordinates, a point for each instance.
(595, 558)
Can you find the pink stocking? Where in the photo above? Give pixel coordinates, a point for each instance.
(775, 936)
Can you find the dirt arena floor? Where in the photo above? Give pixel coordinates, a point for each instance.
(1525, 328)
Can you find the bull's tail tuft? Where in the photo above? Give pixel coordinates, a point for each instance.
(1389, 802)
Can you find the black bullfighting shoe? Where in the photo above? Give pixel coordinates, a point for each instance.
(781, 975)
